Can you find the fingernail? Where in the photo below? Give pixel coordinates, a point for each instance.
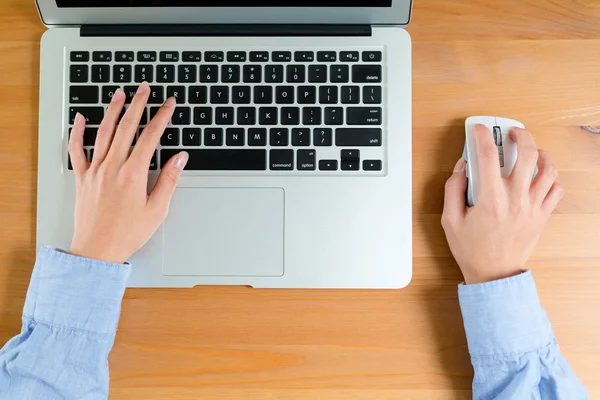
(117, 95)
(78, 118)
(182, 159)
(143, 88)
(460, 166)
(170, 102)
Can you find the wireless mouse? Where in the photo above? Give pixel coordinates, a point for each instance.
(507, 150)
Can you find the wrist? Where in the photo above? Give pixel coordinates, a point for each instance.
(475, 277)
(96, 254)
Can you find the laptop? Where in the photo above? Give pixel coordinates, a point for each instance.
(296, 116)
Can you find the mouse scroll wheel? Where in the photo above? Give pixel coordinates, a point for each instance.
(497, 136)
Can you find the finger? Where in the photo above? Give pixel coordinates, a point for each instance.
(78, 160)
(554, 197)
(490, 178)
(161, 195)
(527, 159)
(129, 124)
(150, 136)
(454, 196)
(107, 127)
(547, 174)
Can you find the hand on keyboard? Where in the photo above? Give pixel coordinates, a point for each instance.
(114, 215)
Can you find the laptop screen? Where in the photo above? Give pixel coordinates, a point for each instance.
(223, 3)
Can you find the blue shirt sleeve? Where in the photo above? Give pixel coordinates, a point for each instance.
(512, 346)
(69, 323)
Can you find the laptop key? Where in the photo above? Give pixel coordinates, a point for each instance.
(240, 95)
(107, 93)
(122, 73)
(143, 73)
(130, 91)
(328, 94)
(326, 56)
(102, 56)
(372, 94)
(213, 137)
(322, 136)
(258, 56)
(371, 165)
(191, 56)
(157, 95)
(230, 73)
(284, 95)
(178, 92)
(219, 94)
(146, 56)
(349, 56)
(350, 95)
(181, 116)
(84, 94)
(311, 116)
(197, 94)
(334, 116)
(281, 160)
(169, 56)
(300, 137)
(153, 111)
(78, 73)
(257, 137)
(124, 56)
(236, 56)
(89, 136)
(246, 115)
(307, 94)
(278, 136)
(191, 136)
(214, 56)
(317, 73)
(267, 116)
(304, 56)
(366, 73)
(274, 73)
(282, 56)
(234, 137)
(305, 160)
(290, 116)
(209, 73)
(221, 159)
(170, 137)
(252, 73)
(263, 94)
(80, 56)
(224, 116)
(202, 115)
(362, 137)
(339, 73)
(328, 165)
(93, 115)
(165, 73)
(153, 164)
(100, 73)
(296, 73)
(350, 165)
(363, 115)
(371, 56)
(186, 73)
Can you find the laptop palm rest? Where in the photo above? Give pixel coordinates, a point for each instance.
(224, 232)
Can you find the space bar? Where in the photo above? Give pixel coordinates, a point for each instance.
(220, 160)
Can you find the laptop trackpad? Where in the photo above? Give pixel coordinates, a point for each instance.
(224, 232)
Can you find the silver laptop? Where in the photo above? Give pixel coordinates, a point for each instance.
(297, 120)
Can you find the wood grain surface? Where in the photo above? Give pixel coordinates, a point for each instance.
(537, 61)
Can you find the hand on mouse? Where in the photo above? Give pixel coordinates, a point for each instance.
(494, 238)
(114, 215)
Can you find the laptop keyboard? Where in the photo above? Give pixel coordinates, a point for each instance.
(260, 111)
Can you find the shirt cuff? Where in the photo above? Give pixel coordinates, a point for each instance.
(75, 292)
(504, 317)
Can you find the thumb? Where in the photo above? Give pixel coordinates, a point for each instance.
(167, 181)
(454, 197)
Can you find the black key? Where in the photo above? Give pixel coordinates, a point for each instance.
(311, 116)
(221, 159)
(230, 73)
(366, 73)
(122, 73)
(191, 136)
(219, 94)
(169, 56)
(224, 116)
(157, 95)
(165, 73)
(372, 94)
(348, 56)
(282, 56)
(363, 115)
(153, 163)
(209, 73)
(202, 115)
(146, 56)
(236, 56)
(339, 73)
(153, 111)
(280, 160)
(191, 56)
(350, 155)
(100, 73)
(143, 73)
(144, 118)
(307, 94)
(80, 56)
(102, 56)
(304, 56)
(213, 137)
(317, 73)
(326, 56)
(107, 93)
(350, 95)
(240, 95)
(78, 73)
(284, 94)
(278, 137)
(290, 116)
(328, 165)
(257, 56)
(371, 165)
(234, 137)
(371, 56)
(334, 115)
(358, 137)
(328, 94)
(274, 73)
(93, 115)
(257, 137)
(322, 137)
(130, 91)
(186, 73)
(178, 92)
(91, 155)
(300, 137)
(246, 115)
(124, 56)
(121, 115)
(84, 94)
(350, 165)
(214, 56)
(252, 73)
(170, 137)
(89, 136)
(181, 116)
(197, 94)
(263, 94)
(305, 160)
(267, 116)
(296, 73)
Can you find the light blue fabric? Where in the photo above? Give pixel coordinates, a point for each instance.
(73, 305)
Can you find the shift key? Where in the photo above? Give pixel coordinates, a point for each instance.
(93, 115)
(358, 137)
(363, 115)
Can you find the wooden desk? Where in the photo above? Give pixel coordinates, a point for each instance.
(535, 61)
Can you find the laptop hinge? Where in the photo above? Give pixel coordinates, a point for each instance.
(227, 30)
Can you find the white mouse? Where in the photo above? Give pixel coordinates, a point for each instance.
(507, 150)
